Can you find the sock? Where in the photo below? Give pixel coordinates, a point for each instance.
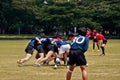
(103, 50)
(93, 46)
(98, 46)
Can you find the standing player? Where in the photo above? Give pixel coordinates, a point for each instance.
(102, 41)
(76, 56)
(34, 43)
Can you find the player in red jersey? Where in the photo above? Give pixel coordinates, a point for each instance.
(88, 34)
(71, 38)
(95, 41)
(103, 42)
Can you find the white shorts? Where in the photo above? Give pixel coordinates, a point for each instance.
(64, 48)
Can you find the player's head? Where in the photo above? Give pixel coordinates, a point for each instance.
(94, 30)
(82, 31)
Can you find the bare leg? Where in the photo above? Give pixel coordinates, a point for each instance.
(65, 56)
(41, 57)
(84, 72)
(69, 73)
(26, 58)
(49, 54)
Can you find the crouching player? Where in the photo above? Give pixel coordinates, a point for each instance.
(76, 56)
(50, 49)
(64, 48)
(102, 41)
(34, 43)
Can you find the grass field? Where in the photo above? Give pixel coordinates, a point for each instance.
(100, 68)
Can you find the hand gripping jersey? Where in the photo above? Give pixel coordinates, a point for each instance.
(57, 42)
(33, 42)
(80, 42)
(60, 42)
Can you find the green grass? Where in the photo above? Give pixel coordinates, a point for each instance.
(100, 68)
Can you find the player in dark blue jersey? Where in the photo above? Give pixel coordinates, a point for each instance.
(76, 56)
(34, 43)
(50, 50)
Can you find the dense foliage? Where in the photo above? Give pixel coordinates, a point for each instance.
(50, 16)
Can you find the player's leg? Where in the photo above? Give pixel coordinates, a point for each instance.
(26, 58)
(93, 45)
(38, 60)
(103, 49)
(84, 72)
(50, 51)
(64, 52)
(29, 51)
(81, 61)
(65, 57)
(59, 57)
(40, 50)
(49, 54)
(72, 61)
(69, 72)
(97, 43)
(53, 57)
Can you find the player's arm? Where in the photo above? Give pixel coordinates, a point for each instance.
(38, 40)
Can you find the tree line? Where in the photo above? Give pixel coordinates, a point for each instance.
(55, 16)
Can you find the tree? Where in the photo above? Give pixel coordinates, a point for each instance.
(49, 16)
(5, 6)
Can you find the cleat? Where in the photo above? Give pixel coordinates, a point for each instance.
(98, 50)
(87, 65)
(102, 54)
(67, 67)
(18, 61)
(37, 65)
(55, 67)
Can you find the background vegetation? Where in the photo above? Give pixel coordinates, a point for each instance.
(58, 16)
(100, 67)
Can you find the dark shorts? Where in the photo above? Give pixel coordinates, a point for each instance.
(29, 49)
(52, 47)
(104, 41)
(95, 40)
(77, 57)
(39, 48)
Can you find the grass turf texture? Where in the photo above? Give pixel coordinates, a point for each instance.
(99, 68)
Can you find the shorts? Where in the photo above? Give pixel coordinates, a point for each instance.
(52, 47)
(64, 48)
(39, 48)
(95, 40)
(77, 57)
(104, 41)
(29, 49)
